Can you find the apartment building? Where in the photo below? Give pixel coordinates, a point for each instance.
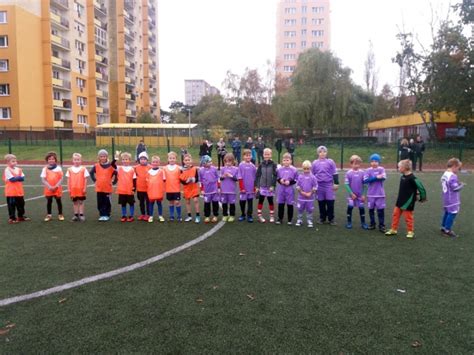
(301, 24)
(74, 64)
(195, 90)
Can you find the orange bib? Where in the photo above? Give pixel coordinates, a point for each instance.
(190, 190)
(52, 178)
(172, 184)
(13, 189)
(103, 178)
(125, 181)
(142, 172)
(156, 185)
(77, 183)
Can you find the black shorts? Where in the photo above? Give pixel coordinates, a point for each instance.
(78, 198)
(173, 196)
(126, 199)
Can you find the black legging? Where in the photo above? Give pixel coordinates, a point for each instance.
(261, 200)
(326, 210)
(281, 212)
(207, 208)
(249, 209)
(16, 204)
(143, 199)
(225, 209)
(49, 204)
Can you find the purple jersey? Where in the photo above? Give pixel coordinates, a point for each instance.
(247, 173)
(228, 183)
(209, 178)
(307, 183)
(451, 192)
(324, 170)
(355, 180)
(375, 187)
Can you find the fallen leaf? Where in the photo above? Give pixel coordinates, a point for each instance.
(62, 300)
(241, 254)
(251, 297)
(441, 322)
(199, 300)
(416, 344)
(401, 290)
(215, 287)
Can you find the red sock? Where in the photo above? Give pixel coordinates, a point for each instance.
(260, 206)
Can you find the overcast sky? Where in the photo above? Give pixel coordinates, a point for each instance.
(202, 39)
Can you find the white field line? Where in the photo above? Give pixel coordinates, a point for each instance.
(110, 274)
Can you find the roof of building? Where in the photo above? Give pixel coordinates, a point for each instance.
(410, 120)
(148, 125)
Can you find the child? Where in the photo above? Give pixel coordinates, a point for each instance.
(77, 185)
(354, 183)
(104, 175)
(287, 175)
(126, 185)
(374, 177)
(307, 186)
(155, 188)
(190, 179)
(173, 186)
(52, 178)
(13, 178)
(209, 177)
(265, 182)
(451, 196)
(228, 178)
(325, 171)
(407, 193)
(141, 171)
(246, 176)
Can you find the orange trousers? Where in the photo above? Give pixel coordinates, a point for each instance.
(408, 215)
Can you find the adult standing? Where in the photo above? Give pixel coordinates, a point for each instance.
(236, 148)
(419, 150)
(210, 146)
(221, 152)
(404, 150)
(291, 147)
(249, 143)
(203, 149)
(260, 146)
(141, 147)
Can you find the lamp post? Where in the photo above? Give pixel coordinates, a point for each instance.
(189, 127)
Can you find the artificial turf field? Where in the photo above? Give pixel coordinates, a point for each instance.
(249, 288)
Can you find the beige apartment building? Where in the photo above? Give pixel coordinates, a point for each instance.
(301, 24)
(74, 64)
(195, 90)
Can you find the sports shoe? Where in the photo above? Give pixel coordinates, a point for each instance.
(214, 219)
(371, 227)
(443, 230)
(261, 219)
(75, 219)
(242, 218)
(130, 219)
(179, 219)
(451, 234)
(197, 219)
(332, 223)
(123, 219)
(411, 235)
(382, 229)
(23, 219)
(310, 224)
(225, 218)
(364, 226)
(278, 221)
(171, 219)
(60, 217)
(349, 225)
(47, 218)
(299, 223)
(141, 218)
(272, 219)
(12, 221)
(207, 220)
(320, 221)
(82, 218)
(390, 232)
(188, 219)
(106, 218)
(250, 219)
(161, 219)
(231, 219)
(150, 219)
(290, 223)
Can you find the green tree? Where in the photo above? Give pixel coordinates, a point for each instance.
(145, 117)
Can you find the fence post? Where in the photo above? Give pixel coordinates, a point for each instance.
(396, 159)
(9, 146)
(342, 155)
(168, 144)
(113, 146)
(61, 151)
(461, 146)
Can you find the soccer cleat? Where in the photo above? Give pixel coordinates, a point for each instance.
(207, 220)
(123, 219)
(141, 218)
(250, 219)
(47, 218)
(214, 219)
(61, 217)
(188, 219)
(23, 219)
(278, 221)
(443, 230)
(225, 218)
(391, 232)
(290, 223)
(310, 224)
(371, 227)
(171, 219)
(451, 234)
(150, 219)
(231, 219)
(364, 226)
(261, 219)
(197, 220)
(130, 219)
(349, 225)
(12, 221)
(411, 235)
(382, 229)
(82, 218)
(272, 219)
(161, 219)
(332, 223)
(299, 223)
(75, 219)
(106, 218)
(320, 221)
(242, 218)
(179, 219)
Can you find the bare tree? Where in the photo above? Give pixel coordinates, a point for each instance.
(370, 70)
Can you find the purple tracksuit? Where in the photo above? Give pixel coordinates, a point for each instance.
(286, 194)
(324, 171)
(228, 194)
(451, 192)
(375, 190)
(247, 173)
(355, 180)
(306, 183)
(209, 178)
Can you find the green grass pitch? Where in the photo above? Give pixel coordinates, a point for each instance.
(248, 288)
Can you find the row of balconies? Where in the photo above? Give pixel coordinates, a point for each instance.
(60, 41)
(100, 7)
(61, 84)
(59, 20)
(62, 4)
(63, 63)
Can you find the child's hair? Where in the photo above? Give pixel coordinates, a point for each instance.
(404, 141)
(103, 152)
(229, 157)
(405, 164)
(306, 164)
(453, 162)
(126, 155)
(267, 150)
(287, 156)
(247, 152)
(322, 148)
(77, 155)
(51, 154)
(355, 159)
(172, 154)
(9, 157)
(187, 155)
(155, 157)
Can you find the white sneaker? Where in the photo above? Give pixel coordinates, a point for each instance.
(261, 219)
(150, 219)
(272, 219)
(299, 223)
(290, 223)
(188, 219)
(310, 224)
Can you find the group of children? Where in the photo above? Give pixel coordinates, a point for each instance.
(152, 182)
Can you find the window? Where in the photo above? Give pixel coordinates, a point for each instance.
(3, 17)
(5, 113)
(317, 44)
(3, 41)
(289, 56)
(80, 28)
(79, 9)
(317, 33)
(81, 101)
(290, 22)
(290, 33)
(81, 83)
(290, 10)
(4, 89)
(81, 119)
(317, 10)
(3, 64)
(100, 36)
(303, 32)
(56, 95)
(81, 65)
(304, 20)
(289, 68)
(80, 46)
(304, 9)
(303, 44)
(288, 45)
(55, 74)
(317, 21)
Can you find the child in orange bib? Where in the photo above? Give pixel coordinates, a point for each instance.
(155, 188)
(141, 170)
(173, 186)
(190, 179)
(13, 178)
(126, 185)
(52, 177)
(77, 185)
(104, 175)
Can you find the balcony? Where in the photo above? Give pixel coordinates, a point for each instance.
(102, 94)
(100, 8)
(128, 80)
(128, 49)
(99, 109)
(129, 4)
(59, 20)
(128, 17)
(61, 63)
(100, 42)
(64, 104)
(60, 42)
(101, 59)
(102, 77)
(131, 113)
(61, 4)
(62, 84)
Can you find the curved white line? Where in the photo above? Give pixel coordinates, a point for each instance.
(107, 275)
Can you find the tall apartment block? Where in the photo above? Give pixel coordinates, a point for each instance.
(73, 64)
(195, 90)
(301, 24)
